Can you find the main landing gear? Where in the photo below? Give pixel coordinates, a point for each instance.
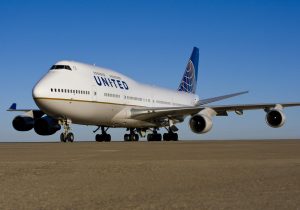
(132, 136)
(104, 136)
(154, 136)
(66, 135)
(170, 136)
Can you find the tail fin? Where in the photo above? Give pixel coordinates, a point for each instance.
(189, 80)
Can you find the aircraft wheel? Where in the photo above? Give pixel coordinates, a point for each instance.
(157, 137)
(166, 137)
(62, 137)
(136, 137)
(170, 137)
(107, 137)
(126, 137)
(150, 137)
(175, 137)
(98, 138)
(70, 137)
(154, 137)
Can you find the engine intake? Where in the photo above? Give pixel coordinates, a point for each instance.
(275, 118)
(23, 123)
(46, 126)
(200, 124)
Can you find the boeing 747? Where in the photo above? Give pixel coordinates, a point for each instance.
(73, 92)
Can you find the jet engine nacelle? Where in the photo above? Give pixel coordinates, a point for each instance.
(46, 126)
(23, 123)
(200, 123)
(275, 118)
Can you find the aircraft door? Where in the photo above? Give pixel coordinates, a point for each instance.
(94, 93)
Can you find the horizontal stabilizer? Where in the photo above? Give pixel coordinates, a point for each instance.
(13, 107)
(36, 112)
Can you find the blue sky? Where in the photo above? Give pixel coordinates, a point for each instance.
(244, 45)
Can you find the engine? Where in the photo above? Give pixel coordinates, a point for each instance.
(200, 124)
(23, 123)
(275, 118)
(46, 126)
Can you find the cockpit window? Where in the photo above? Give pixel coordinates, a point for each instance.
(61, 67)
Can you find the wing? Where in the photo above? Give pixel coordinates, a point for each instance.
(179, 112)
(34, 112)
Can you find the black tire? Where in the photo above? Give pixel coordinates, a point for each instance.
(175, 137)
(166, 137)
(150, 137)
(98, 138)
(107, 137)
(158, 137)
(62, 138)
(70, 137)
(136, 137)
(126, 137)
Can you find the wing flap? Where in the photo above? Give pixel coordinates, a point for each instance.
(242, 107)
(151, 113)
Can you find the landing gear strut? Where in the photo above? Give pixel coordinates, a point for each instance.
(132, 136)
(66, 135)
(104, 136)
(154, 136)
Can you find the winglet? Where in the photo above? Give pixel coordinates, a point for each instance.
(189, 80)
(13, 107)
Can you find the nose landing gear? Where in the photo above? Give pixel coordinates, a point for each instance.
(66, 135)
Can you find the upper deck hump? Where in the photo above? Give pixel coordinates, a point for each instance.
(96, 69)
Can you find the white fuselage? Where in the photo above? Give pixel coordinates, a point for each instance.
(90, 95)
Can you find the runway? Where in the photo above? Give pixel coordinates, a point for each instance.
(151, 175)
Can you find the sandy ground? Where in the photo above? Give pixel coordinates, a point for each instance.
(151, 175)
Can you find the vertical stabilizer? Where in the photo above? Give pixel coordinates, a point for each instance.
(189, 80)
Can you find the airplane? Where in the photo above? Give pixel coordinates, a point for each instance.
(77, 93)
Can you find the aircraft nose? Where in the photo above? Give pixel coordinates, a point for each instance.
(37, 91)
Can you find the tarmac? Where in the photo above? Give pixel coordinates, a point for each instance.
(151, 175)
